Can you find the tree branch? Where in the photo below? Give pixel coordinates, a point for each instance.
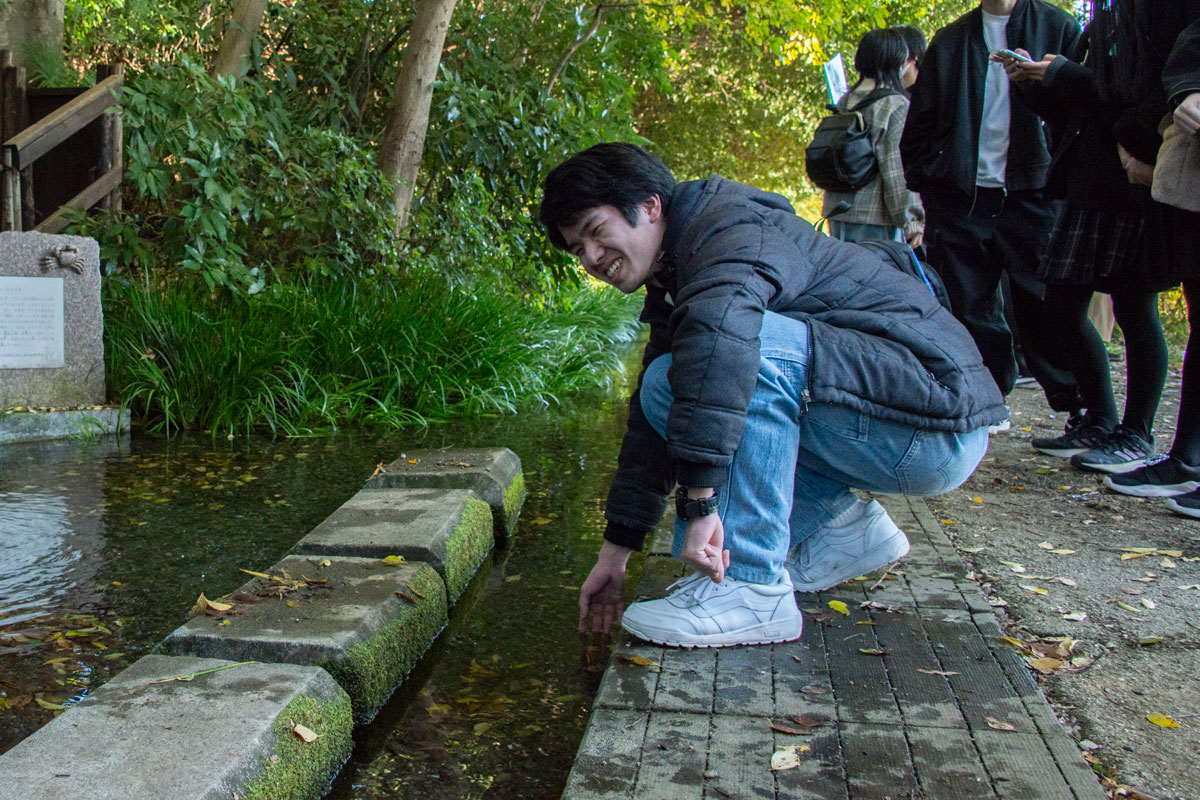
(574, 46)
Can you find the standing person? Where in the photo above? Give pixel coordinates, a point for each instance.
(1177, 476)
(914, 40)
(783, 368)
(979, 160)
(883, 208)
(1104, 100)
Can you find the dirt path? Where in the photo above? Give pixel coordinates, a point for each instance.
(1137, 650)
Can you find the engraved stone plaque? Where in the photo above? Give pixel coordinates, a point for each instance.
(31, 322)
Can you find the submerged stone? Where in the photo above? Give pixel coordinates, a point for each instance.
(494, 474)
(366, 621)
(221, 733)
(449, 529)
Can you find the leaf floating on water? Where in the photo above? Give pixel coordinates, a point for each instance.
(1000, 725)
(393, 561)
(788, 757)
(305, 733)
(46, 704)
(1161, 720)
(839, 606)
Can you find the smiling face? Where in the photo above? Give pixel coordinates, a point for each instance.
(611, 249)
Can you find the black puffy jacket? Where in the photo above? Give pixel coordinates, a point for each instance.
(880, 343)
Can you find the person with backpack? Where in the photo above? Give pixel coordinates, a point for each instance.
(883, 207)
(782, 369)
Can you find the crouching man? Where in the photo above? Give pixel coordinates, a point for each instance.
(784, 368)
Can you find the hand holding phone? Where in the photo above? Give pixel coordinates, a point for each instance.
(1003, 53)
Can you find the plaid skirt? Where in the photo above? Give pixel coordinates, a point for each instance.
(1107, 250)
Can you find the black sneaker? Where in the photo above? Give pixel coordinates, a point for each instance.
(1079, 437)
(1164, 476)
(1186, 504)
(1122, 451)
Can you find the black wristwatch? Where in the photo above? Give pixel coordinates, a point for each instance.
(690, 508)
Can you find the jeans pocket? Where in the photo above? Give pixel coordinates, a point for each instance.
(938, 462)
(840, 421)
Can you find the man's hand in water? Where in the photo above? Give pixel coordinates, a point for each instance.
(600, 597)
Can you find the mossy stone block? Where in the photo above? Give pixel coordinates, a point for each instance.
(365, 621)
(225, 731)
(449, 529)
(494, 474)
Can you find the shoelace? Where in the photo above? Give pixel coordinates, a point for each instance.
(697, 587)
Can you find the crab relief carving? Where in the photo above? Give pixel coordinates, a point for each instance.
(65, 256)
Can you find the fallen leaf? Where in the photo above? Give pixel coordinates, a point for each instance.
(1149, 603)
(864, 622)
(511, 578)
(872, 651)
(1045, 545)
(1146, 641)
(804, 720)
(938, 672)
(977, 500)
(262, 575)
(1045, 665)
(1062, 551)
(839, 606)
(971, 549)
(293, 603)
(305, 733)
(1035, 589)
(1128, 607)
(215, 606)
(1185, 587)
(1075, 616)
(999, 725)
(393, 561)
(788, 757)
(59, 706)
(777, 726)
(1162, 720)
(1013, 565)
(641, 661)
(1166, 563)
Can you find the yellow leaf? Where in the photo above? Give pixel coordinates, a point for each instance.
(511, 578)
(1035, 589)
(948, 522)
(215, 606)
(999, 725)
(976, 499)
(1146, 641)
(1045, 545)
(1166, 563)
(392, 561)
(642, 661)
(839, 606)
(1128, 556)
(305, 733)
(1062, 551)
(1045, 665)
(1149, 603)
(539, 521)
(262, 575)
(293, 603)
(1143, 550)
(864, 622)
(199, 607)
(58, 706)
(1162, 720)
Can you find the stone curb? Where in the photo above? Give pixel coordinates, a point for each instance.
(227, 733)
(494, 474)
(367, 623)
(85, 423)
(449, 529)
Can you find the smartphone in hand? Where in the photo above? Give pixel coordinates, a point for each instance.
(1006, 53)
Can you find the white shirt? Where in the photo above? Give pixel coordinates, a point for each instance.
(993, 128)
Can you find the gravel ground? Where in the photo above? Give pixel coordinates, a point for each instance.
(1137, 650)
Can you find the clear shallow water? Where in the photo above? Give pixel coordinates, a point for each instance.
(104, 546)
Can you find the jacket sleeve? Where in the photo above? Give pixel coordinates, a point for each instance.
(919, 141)
(1181, 76)
(645, 473)
(901, 207)
(728, 267)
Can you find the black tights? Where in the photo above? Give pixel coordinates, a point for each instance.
(1187, 426)
(1145, 353)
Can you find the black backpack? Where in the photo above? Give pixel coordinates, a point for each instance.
(902, 257)
(840, 157)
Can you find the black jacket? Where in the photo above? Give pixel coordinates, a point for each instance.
(1181, 76)
(879, 342)
(940, 146)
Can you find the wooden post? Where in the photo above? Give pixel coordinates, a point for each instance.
(14, 117)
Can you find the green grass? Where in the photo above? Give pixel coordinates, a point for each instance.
(296, 359)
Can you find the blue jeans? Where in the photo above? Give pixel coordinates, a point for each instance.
(863, 231)
(794, 468)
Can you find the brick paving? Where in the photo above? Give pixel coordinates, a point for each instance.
(927, 719)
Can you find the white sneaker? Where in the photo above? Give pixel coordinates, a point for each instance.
(867, 541)
(703, 613)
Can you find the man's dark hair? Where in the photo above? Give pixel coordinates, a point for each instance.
(608, 174)
(915, 39)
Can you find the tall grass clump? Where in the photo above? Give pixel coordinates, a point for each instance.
(385, 351)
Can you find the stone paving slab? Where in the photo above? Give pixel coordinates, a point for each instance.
(223, 734)
(494, 474)
(367, 625)
(938, 707)
(84, 423)
(449, 529)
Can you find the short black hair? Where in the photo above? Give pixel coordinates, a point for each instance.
(881, 55)
(915, 39)
(608, 174)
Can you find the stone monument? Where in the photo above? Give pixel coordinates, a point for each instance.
(51, 333)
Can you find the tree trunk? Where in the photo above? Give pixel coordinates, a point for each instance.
(31, 22)
(408, 120)
(233, 57)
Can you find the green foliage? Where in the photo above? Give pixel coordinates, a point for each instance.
(378, 351)
(227, 185)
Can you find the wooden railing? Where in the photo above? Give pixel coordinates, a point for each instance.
(24, 144)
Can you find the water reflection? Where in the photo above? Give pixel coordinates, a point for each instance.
(104, 549)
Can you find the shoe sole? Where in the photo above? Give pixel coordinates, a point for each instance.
(1066, 452)
(765, 633)
(895, 548)
(1112, 469)
(1154, 489)
(1183, 510)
